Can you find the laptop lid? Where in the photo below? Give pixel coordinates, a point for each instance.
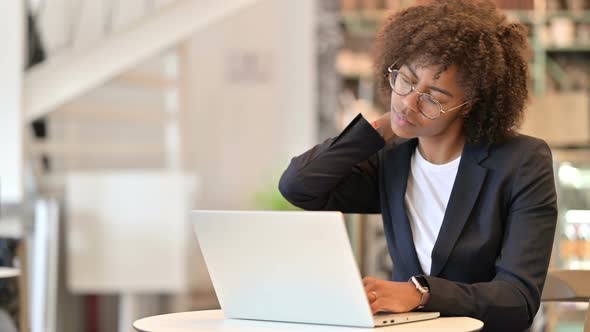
(283, 266)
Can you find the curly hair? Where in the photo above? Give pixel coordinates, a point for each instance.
(489, 51)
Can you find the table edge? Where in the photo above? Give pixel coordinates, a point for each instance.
(481, 324)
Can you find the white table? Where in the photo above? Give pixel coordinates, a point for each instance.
(213, 320)
(8, 272)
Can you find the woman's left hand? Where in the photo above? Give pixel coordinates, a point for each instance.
(391, 296)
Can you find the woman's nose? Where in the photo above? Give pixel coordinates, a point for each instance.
(410, 101)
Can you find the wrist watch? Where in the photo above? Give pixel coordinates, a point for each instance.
(422, 287)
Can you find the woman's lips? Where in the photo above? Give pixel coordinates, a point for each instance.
(402, 120)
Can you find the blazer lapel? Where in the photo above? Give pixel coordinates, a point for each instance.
(470, 177)
(397, 171)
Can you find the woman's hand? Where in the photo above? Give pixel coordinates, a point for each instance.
(390, 295)
(383, 127)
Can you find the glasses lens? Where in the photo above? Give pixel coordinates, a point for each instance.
(399, 83)
(429, 106)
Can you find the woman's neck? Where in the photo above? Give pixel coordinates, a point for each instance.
(441, 149)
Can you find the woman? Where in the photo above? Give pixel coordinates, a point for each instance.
(468, 205)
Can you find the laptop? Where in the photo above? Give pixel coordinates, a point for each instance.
(288, 267)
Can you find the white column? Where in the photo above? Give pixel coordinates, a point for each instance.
(171, 103)
(297, 76)
(12, 29)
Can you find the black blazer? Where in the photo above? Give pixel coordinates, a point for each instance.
(491, 255)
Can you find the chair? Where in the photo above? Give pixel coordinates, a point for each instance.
(568, 286)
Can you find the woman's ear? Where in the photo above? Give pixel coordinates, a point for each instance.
(467, 109)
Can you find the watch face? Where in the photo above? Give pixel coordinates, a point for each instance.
(420, 284)
(422, 281)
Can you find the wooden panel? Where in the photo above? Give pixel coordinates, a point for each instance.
(102, 112)
(23, 290)
(560, 119)
(81, 149)
(145, 80)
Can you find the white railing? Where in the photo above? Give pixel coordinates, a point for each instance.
(67, 24)
(77, 70)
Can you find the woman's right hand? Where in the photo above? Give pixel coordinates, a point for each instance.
(383, 126)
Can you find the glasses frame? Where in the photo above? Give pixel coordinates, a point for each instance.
(392, 71)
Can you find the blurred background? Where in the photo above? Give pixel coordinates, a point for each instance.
(120, 116)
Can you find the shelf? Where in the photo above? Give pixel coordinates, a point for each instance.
(577, 264)
(355, 76)
(582, 306)
(364, 23)
(572, 48)
(524, 16)
(528, 16)
(576, 16)
(578, 216)
(372, 18)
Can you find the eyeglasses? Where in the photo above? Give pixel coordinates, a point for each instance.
(429, 107)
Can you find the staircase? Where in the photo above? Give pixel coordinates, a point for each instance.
(69, 74)
(93, 86)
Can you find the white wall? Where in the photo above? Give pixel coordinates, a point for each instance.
(11, 69)
(252, 102)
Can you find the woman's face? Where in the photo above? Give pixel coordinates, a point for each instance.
(406, 119)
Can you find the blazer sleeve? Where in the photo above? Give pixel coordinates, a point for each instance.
(510, 301)
(340, 174)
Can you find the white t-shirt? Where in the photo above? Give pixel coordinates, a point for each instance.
(427, 195)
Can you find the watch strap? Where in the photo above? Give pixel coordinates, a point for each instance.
(422, 286)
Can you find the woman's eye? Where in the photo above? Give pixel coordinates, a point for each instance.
(440, 100)
(431, 100)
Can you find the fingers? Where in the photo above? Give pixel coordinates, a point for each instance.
(369, 283)
(376, 306)
(370, 288)
(368, 280)
(381, 306)
(371, 296)
(373, 290)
